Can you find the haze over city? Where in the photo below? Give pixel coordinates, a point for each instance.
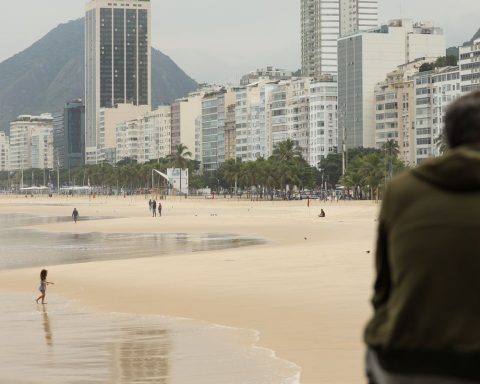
(218, 41)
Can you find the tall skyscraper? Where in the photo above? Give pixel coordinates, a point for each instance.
(118, 60)
(323, 22)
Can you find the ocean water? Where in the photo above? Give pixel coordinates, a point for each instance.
(60, 343)
(21, 247)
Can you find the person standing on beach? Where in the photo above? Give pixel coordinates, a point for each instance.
(425, 326)
(159, 209)
(150, 202)
(154, 208)
(75, 215)
(43, 285)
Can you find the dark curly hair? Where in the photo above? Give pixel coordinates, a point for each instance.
(462, 121)
(43, 274)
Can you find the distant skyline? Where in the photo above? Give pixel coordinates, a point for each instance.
(218, 41)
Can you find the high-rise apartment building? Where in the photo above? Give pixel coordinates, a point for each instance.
(287, 114)
(214, 109)
(146, 138)
(323, 120)
(320, 30)
(323, 22)
(31, 142)
(434, 91)
(118, 60)
(4, 152)
(364, 59)
(230, 133)
(470, 66)
(358, 15)
(185, 113)
(250, 120)
(395, 101)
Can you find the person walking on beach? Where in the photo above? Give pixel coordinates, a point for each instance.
(43, 285)
(425, 327)
(75, 215)
(159, 209)
(150, 202)
(154, 208)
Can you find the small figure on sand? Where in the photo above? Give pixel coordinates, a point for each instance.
(75, 215)
(154, 208)
(150, 203)
(159, 209)
(43, 285)
(322, 213)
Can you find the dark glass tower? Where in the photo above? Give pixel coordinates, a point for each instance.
(118, 59)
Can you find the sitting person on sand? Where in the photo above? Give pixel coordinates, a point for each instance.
(322, 213)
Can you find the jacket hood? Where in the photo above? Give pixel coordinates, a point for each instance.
(458, 170)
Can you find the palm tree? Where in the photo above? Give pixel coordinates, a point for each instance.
(391, 148)
(286, 150)
(441, 143)
(179, 157)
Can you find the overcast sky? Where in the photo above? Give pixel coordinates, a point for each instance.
(219, 40)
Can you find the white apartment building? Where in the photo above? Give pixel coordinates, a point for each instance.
(287, 114)
(470, 66)
(395, 109)
(323, 120)
(31, 142)
(364, 59)
(4, 152)
(358, 15)
(185, 113)
(107, 128)
(252, 135)
(298, 128)
(118, 61)
(434, 90)
(323, 22)
(320, 31)
(147, 138)
(267, 73)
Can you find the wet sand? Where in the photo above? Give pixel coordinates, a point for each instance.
(306, 290)
(61, 343)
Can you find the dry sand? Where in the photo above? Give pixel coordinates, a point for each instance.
(306, 291)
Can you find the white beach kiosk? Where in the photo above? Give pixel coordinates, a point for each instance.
(177, 179)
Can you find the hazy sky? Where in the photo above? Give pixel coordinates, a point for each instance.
(219, 40)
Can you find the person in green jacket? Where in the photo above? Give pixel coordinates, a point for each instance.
(426, 322)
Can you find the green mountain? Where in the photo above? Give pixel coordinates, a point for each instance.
(52, 71)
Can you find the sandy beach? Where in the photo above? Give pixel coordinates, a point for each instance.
(306, 290)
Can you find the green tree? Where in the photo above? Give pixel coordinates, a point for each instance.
(391, 148)
(286, 150)
(441, 143)
(180, 157)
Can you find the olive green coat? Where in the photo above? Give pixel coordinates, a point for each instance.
(427, 289)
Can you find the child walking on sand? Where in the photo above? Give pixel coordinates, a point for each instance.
(43, 285)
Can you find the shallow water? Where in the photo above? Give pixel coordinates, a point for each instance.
(22, 247)
(58, 343)
(61, 343)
